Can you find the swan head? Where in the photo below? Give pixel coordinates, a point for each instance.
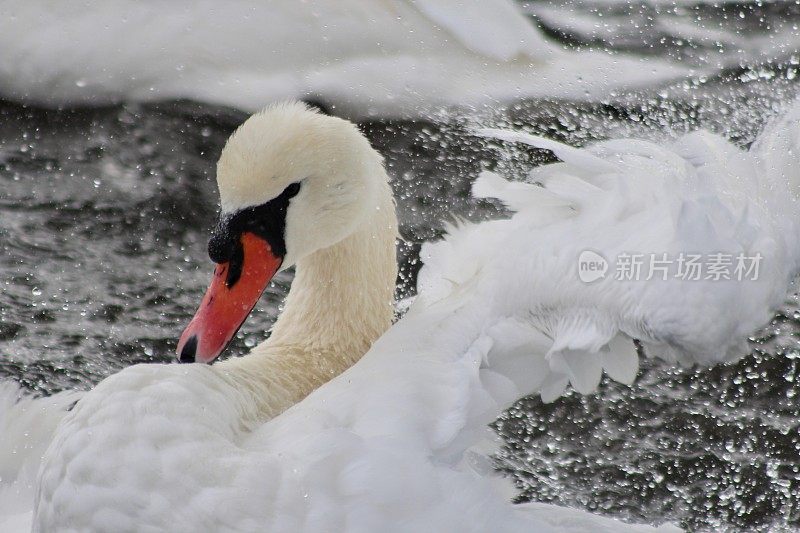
(291, 181)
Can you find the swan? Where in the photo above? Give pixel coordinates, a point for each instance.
(398, 440)
(392, 58)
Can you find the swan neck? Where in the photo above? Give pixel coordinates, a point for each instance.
(341, 297)
(340, 302)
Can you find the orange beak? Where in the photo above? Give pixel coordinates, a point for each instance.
(228, 300)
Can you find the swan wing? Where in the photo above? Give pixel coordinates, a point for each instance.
(403, 433)
(698, 195)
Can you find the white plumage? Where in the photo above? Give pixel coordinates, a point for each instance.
(26, 427)
(367, 58)
(398, 441)
(698, 195)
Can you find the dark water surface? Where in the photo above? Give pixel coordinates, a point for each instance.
(104, 216)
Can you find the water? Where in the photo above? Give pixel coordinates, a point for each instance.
(104, 215)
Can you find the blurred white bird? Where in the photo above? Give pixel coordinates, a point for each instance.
(362, 57)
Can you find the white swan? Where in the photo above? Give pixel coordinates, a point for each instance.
(392, 442)
(365, 57)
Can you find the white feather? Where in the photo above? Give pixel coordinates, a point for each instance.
(26, 427)
(362, 57)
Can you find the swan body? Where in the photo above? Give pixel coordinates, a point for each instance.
(365, 58)
(398, 440)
